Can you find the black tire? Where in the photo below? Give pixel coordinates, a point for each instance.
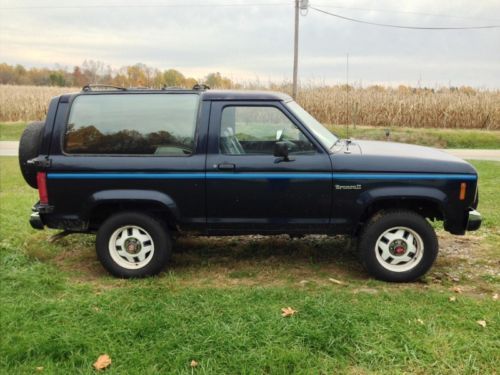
(29, 148)
(117, 264)
(379, 225)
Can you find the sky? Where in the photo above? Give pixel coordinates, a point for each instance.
(252, 40)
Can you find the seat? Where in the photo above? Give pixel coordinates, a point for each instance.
(229, 144)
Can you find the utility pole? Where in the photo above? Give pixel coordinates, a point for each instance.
(300, 5)
(295, 50)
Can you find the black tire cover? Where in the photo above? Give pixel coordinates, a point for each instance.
(29, 148)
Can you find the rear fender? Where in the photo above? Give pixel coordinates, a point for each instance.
(136, 197)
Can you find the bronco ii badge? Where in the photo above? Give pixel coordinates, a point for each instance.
(348, 187)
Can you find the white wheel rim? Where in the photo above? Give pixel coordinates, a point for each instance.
(131, 247)
(399, 249)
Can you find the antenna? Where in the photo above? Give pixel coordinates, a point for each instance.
(347, 95)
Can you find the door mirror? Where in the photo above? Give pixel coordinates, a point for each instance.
(281, 150)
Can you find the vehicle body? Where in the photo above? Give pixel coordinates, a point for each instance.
(235, 163)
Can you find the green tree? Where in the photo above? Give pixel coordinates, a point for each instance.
(57, 79)
(216, 80)
(172, 77)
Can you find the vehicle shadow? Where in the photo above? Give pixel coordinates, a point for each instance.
(197, 259)
(281, 256)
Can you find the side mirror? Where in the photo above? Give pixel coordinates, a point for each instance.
(281, 150)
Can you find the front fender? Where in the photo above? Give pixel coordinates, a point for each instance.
(369, 197)
(131, 196)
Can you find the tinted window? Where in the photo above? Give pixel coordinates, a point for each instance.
(255, 130)
(134, 124)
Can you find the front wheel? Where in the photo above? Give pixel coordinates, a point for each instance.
(133, 244)
(398, 246)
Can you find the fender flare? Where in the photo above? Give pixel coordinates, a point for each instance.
(404, 193)
(102, 197)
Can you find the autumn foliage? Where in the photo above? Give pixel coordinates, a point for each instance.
(445, 107)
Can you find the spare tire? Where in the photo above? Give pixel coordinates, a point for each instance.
(29, 148)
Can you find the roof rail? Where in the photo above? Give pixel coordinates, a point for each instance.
(201, 86)
(165, 87)
(92, 86)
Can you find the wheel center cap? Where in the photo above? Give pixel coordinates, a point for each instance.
(398, 247)
(132, 246)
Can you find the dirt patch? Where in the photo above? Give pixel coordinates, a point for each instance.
(307, 262)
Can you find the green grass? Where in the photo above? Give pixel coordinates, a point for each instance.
(442, 138)
(220, 302)
(11, 131)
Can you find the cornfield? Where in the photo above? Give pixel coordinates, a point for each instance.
(377, 106)
(27, 103)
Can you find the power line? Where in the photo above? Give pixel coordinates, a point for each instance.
(403, 26)
(172, 5)
(407, 12)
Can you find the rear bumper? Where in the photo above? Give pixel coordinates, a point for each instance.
(474, 220)
(35, 221)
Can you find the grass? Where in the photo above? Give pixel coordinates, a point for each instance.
(443, 138)
(11, 131)
(219, 304)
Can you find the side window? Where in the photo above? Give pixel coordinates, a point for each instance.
(132, 124)
(255, 130)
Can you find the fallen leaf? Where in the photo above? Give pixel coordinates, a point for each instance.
(452, 299)
(495, 297)
(39, 368)
(420, 321)
(482, 323)
(102, 362)
(335, 281)
(287, 311)
(457, 289)
(194, 363)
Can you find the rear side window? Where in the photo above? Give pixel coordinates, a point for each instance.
(132, 124)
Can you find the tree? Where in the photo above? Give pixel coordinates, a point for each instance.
(93, 70)
(216, 80)
(78, 77)
(173, 77)
(57, 79)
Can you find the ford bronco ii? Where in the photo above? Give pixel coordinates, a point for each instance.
(136, 166)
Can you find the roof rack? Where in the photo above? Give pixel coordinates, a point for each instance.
(92, 86)
(165, 87)
(201, 86)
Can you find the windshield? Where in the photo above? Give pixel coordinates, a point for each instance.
(321, 133)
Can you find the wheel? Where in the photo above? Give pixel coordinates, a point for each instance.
(29, 148)
(133, 244)
(398, 246)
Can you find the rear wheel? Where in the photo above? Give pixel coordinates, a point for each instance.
(29, 148)
(133, 244)
(398, 246)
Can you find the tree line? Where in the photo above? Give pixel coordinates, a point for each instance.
(90, 71)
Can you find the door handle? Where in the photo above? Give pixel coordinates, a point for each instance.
(226, 166)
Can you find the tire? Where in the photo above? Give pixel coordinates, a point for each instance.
(133, 245)
(29, 148)
(389, 253)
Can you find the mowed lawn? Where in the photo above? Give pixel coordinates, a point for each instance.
(220, 304)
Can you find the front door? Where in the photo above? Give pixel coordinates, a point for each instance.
(249, 189)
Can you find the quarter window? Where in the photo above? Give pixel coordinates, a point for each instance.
(250, 130)
(132, 124)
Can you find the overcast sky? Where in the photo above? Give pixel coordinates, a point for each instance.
(253, 39)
